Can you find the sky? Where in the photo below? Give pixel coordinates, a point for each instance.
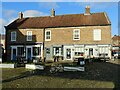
(10, 10)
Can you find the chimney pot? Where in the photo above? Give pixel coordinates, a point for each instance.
(87, 12)
(20, 15)
(52, 12)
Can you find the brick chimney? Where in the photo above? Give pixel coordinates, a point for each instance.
(52, 12)
(20, 15)
(87, 10)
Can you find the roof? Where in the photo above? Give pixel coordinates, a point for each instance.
(70, 20)
(116, 38)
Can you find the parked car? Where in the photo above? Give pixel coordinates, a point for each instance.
(116, 55)
(103, 56)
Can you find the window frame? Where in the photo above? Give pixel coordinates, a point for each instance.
(98, 35)
(47, 50)
(46, 35)
(74, 38)
(78, 50)
(59, 49)
(12, 36)
(38, 51)
(21, 51)
(29, 35)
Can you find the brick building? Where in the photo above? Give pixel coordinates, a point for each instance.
(116, 43)
(67, 36)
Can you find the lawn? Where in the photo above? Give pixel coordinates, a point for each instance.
(97, 75)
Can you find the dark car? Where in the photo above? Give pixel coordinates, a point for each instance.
(116, 55)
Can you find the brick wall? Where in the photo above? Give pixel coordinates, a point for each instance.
(60, 36)
(21, 38)
(65, 35)
(21, 35)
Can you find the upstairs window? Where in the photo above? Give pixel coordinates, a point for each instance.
(47, 35)
(97, 34)
(29, 35)
(13, 36)
(76, 34)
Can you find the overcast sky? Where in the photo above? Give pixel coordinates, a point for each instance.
(10, 10)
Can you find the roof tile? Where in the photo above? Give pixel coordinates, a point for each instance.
(60, 21)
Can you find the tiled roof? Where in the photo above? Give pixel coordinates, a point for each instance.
(71, 20)
(116, 38)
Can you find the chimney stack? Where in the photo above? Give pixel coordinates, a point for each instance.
(20, 15)
(87, 10)
(52, 12)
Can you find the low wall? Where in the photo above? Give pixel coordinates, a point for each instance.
(8, 65)
(32, 66)
(67, 68)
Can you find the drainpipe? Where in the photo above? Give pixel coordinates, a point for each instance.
(43, 56)
(6, 44)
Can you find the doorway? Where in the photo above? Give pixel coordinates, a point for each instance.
(29, 53)
(68, 54)
(90, 51)
(14, 53)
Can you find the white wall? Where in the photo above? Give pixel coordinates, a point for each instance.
(96, 50)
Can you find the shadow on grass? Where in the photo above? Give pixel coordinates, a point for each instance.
(98, 71)
(22, 75)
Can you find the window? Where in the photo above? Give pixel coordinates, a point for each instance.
(36, 51)
(21, 51)
(103, 49)
(47, 50)
(57, 51)
(13, 36)
(97, 34)
(76, 34)
(79, 51)
(29, 35)
(47, 35)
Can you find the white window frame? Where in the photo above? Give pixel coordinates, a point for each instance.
(75, 34)
(59, 51)
(12, 33)
(46, 35)
(97, 34)
(29, 35)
